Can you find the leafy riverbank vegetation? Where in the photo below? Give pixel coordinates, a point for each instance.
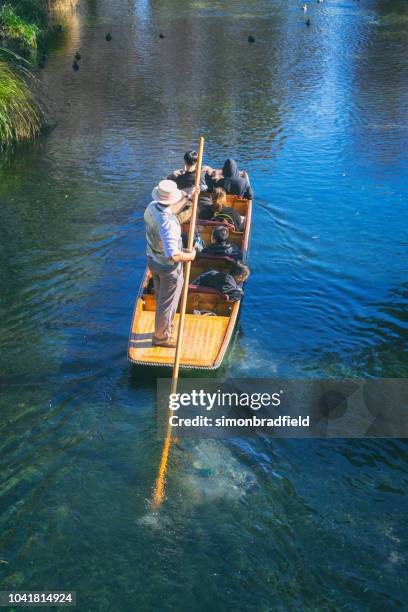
(23, 26)
(21, 23)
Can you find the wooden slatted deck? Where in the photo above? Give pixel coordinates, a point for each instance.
(203, 337)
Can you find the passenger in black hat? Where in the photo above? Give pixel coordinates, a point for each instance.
(220, 246)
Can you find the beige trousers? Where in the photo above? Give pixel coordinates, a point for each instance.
(168, 284)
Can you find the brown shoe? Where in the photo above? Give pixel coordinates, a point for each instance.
(169, 343)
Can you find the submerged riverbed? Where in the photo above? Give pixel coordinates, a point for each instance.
(317, 116)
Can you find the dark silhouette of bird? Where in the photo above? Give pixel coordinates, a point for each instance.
(308, 22)
(251, 39)
(75, 65)
(77, 56)
(44, 57)
(161, 35)
(41, 64)
(108, 37)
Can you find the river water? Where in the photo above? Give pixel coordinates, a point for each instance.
(318, 117)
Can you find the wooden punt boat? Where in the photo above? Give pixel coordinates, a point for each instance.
(206, 338)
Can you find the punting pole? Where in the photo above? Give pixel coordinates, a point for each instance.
(158, 495)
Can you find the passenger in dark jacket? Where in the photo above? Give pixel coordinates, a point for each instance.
(220, 246)
(219, 211)
(185, 178)
(205, 204)
(228, 283)
(234, 182)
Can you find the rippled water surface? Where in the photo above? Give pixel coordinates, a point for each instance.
(318, 117)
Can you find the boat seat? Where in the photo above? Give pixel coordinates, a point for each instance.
(149, 299)
(199, 298)
(211, 223)
(208, 257)
(208, 290)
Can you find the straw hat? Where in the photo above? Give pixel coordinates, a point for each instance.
(167, 193)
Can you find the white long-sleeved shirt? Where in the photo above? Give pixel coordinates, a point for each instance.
(163, 233)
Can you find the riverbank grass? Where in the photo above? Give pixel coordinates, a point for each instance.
(23, 26)
(20, 115)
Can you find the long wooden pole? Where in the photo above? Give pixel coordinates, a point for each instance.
(158, 495)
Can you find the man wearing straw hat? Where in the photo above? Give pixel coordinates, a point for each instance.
(165, 255)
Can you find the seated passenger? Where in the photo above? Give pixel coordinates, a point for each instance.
(219, 211)
(233, 181)
(228, 283)
(185, 178)
(205, 205)
(220, 246)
